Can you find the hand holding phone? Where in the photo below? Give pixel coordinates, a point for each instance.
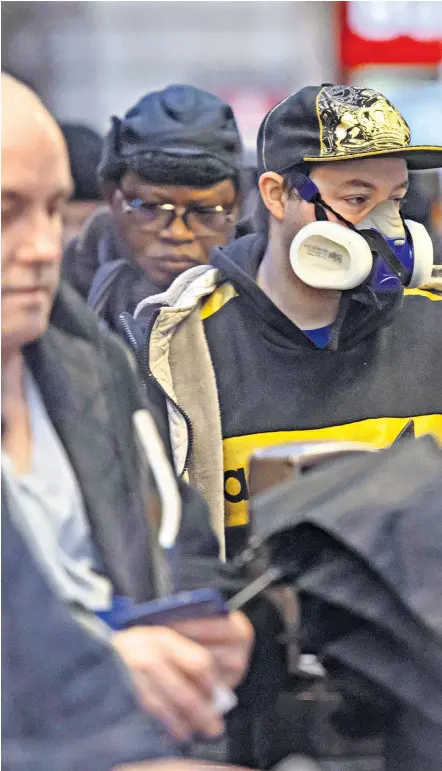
(165, 611)
(175, 679)
(229, 639)
(202, 616)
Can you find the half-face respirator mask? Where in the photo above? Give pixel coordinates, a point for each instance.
(384, 251)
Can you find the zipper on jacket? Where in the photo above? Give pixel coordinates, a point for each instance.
(131, 339)
(142, 356)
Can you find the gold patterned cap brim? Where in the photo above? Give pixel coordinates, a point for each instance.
(418, 158)
(333, 123)
(362, 123)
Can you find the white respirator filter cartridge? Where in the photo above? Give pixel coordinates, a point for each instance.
(326, 255)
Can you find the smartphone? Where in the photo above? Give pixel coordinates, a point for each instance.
(200, 603)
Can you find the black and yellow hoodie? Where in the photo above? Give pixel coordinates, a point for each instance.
(238, 375)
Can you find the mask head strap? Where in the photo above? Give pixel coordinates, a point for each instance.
(308, 191)
(379, 246)
(304, 186)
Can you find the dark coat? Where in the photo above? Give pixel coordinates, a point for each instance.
(91, 391)
(67, 701)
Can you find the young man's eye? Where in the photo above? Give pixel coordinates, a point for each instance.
(399, 202)
(357, 200)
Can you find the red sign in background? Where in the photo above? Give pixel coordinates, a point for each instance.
(361, 42)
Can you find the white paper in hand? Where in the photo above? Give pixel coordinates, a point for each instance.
(224, 699)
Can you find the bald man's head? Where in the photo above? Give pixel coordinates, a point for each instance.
(36, 183)
(23, 112)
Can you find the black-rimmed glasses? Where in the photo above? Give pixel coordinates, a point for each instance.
(201, 220)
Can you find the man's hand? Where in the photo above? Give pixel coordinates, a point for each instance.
(175, 678)
(228, 638)
(176, 669)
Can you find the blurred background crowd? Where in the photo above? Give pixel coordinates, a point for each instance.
(90, 60)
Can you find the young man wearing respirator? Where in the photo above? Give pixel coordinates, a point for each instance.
(314, 327)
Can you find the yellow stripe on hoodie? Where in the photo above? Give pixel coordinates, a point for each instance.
(380, 432)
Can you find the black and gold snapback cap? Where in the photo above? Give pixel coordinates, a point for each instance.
(322, 124)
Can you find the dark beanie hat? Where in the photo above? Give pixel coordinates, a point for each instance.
(180, 121)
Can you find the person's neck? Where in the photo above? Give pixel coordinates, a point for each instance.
(13, 371)
(17, 437)
(305, 306)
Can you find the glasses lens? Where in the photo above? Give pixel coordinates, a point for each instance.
(202, 221)
(208, 220)
(150, 215)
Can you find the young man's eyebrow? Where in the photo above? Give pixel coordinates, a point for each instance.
(359, 183)
(362, 183)
(402, 185)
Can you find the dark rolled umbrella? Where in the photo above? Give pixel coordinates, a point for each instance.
(350, 594)
(383, 508)
(360, 538)
(387, 663)
(414, 745)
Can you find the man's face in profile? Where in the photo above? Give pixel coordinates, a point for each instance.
(35, 185)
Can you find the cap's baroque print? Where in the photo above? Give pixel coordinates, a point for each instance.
(358, 120)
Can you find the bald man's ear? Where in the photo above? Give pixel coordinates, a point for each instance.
(273, 193)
